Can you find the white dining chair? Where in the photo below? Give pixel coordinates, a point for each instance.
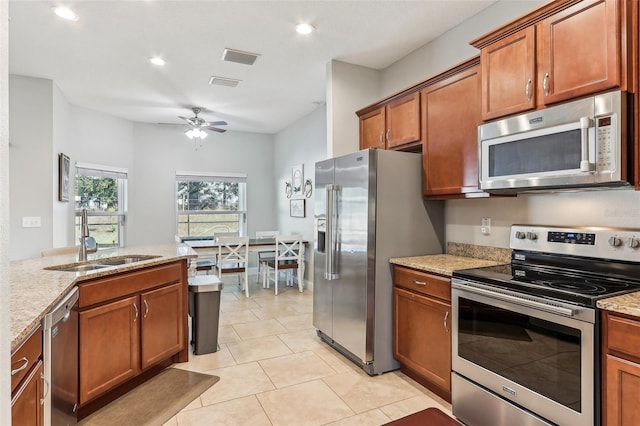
(265, 254)
(233, 257)
(288, 257)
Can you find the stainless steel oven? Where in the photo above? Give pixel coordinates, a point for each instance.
(525, 335)
(535, 353)
(578, 144)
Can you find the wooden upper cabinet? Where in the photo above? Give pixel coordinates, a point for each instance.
(451, 111)
(403, 121)
(372, 129)
(509, 75)
(391, 124)
(580, 50)
(564, 50)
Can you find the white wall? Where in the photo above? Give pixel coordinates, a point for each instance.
(5, 390)
(304, 142)
(31, 171)
(62, 213)
(349, 88)
(161, 150)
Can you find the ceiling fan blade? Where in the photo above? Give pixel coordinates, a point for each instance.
(215, 129)
(188, 120)
(215, 123)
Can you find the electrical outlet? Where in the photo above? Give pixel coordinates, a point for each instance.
(485, 227)
(31, 222)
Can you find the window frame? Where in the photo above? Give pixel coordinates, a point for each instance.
(187, 176)
(122, 176)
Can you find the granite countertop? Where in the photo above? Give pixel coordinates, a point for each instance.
(35, 290)
(626, 304)
(443, 264)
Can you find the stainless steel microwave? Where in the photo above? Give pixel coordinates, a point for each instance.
(574, 145)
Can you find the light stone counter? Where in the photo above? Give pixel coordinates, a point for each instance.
(443, 264)
(626, 304)
(35, 290)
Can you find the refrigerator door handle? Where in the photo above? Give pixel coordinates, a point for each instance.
(330, 268)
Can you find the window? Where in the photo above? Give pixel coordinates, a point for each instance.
(102, 191)
(208, 203)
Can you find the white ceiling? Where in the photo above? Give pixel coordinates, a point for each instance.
(101, 61)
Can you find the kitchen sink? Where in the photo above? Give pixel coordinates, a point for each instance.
(101, 263)
(77, 268)
(124, 260)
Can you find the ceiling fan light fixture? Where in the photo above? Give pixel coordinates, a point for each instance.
(196, 134)
(65, 13)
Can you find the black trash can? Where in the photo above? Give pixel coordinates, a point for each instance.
(204, 309)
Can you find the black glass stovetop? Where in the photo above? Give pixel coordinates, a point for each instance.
(576, 280)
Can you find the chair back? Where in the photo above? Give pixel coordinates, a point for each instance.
(289, 248)
(226, 234)
(266, 234)
(233, 251)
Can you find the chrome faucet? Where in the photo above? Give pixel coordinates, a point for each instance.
(87, 243)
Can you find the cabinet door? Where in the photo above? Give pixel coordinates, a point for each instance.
(450, 154)
(403, 121)
(580, 50)
(622, 392)
(26, 405)
(109, 346)
(422, 339)
(508, 75)
(372, 129)
(161, 324)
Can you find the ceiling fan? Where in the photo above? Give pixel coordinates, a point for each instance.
(198, 125)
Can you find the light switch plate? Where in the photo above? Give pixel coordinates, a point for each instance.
(485, 227)
(31, 222)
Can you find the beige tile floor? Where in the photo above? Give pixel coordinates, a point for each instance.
(274, 370)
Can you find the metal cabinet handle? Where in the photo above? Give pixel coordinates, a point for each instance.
(446, 315)
(22, 367)
(545, 84)
(136, 308)
(46, 392)
(381, 139)
(146, 307)
(388, 134)
(416, 282)
(527, 90)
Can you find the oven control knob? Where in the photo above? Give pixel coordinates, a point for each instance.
(633, 242)
(615, 241)
(520, 235)
(532, 236)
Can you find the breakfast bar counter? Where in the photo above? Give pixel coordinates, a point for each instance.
(35, 290)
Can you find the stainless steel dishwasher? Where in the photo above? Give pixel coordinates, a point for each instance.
(60, 327)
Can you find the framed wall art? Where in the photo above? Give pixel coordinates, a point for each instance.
(297, 181)
(297, 208)
(63, 177)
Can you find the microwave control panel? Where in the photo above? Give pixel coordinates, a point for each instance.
(606, 138)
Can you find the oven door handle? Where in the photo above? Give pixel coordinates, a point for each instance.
(524, 301)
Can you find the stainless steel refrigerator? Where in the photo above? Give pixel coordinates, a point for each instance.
(368, 209)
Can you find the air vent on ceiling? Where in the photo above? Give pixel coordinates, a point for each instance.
(223, 81)
(239, 56)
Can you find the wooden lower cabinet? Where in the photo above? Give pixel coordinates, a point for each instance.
(620, 370)
(27, 383)
(129, 326)
(109, 340)
(26, 404)
(161, 324)
(422, 332)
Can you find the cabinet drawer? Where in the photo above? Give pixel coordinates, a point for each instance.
(25, 357)
(429, 284)
(623, 335)
(105, 289)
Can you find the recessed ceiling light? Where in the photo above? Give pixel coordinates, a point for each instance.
(156, 60)
(304, 28)
(65, 13)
